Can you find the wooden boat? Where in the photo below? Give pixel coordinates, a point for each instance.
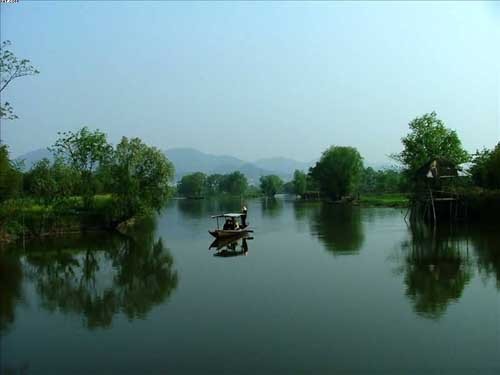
(230, 233)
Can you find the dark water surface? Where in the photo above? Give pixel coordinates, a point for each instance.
(319, 289)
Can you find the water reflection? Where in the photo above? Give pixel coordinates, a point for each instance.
(100, 276)
(487, 250)
(201, 208)
(11, 292)
(437, 267)
(271, 207)
(230, 247)
(339, 227)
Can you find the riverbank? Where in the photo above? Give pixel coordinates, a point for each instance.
(384, 200)
(27, 218)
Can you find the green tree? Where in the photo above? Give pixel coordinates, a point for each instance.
(271, 185)
(485, 170)
(234, 183)
(141, 177)
(10, 69)
(338, 172)
(10, 176)
(299, 182)
(192, 185)
(49, 182)
(213, 184)
(429, 139)
(84, 151)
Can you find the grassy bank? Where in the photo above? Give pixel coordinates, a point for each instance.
(30, 218)
(384, 200)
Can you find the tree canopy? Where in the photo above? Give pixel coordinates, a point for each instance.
(486, 168)
(338, 172)
(141, 175)
(299, 182)
(429, 139)
(192, 185)
(271, 185)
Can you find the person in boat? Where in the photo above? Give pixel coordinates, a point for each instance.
(236, 225)
(227, 225)
(244, 211)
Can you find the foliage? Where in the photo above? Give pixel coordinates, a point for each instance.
(192, 185)
(84, 151)
(299, 182)
(213, 184)
(338, 172)
(11, 68)
(140, 177)
(234, 183)
(485, 170)
(383, 181)
(429, 139)
(271, 185)
(10, 176)
(49, 182)
(289, 188)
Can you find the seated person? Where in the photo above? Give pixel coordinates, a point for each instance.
(227, 225)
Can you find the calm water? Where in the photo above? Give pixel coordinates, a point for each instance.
(319, 289)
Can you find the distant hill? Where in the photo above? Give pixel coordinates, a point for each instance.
(32, 157)
(189, 160)
(283, 166)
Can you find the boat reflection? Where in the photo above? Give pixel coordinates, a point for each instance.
(230, 247)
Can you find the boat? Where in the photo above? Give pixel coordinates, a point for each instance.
(230, 233)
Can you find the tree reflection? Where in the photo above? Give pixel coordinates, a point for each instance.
(487, 250)
(436, 268)
(11, 292)
(339, 227)
(271, 207)
(201, 208)
(100, 278)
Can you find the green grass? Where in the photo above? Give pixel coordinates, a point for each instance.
(384, 200)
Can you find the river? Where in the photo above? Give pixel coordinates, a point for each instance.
(318, 288)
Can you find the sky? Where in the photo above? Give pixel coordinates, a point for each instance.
(254, 79)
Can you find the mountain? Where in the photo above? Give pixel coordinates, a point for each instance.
(32, 157)
(189, 160)
(283, 166)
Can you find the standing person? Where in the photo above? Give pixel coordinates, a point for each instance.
(244, 212)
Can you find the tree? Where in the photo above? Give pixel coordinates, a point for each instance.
(338, 172)
(10, 176)
(213, 183)
(299, 182)
(141, 177)
(270, 185)
(49, 182)
(11, 68)
(234, 183)
(429, 139)
(192, 185)
(84, 151)
(485, 170)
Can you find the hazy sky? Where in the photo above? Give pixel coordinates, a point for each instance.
(254, 79)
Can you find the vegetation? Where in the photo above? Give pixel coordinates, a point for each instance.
(90, 184)
(198, 185)
(194, 185)
(11, 68)
(299, 182)
(338, 172)
(429, 139)
(486, 168)
(140, 178)
(271, 185)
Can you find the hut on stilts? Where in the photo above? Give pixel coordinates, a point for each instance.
(436, 197)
